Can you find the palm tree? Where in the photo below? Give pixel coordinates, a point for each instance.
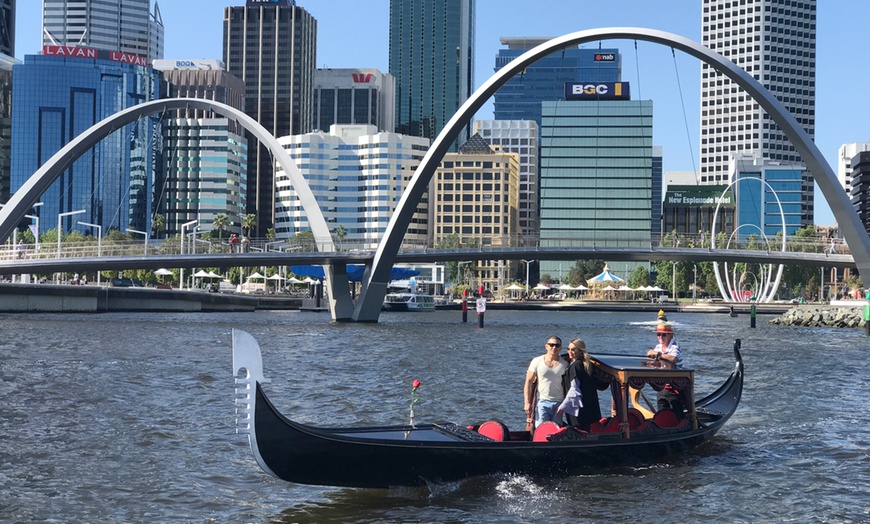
(158, 224)
(220, 223)
(249, 222)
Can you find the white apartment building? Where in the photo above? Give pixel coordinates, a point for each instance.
(357, 175)
(844, 162)
(775, 42)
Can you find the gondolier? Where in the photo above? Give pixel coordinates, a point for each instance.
(669, 350)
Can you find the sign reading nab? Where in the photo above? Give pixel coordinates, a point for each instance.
(597, 91)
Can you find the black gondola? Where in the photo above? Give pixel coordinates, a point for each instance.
(380, 457)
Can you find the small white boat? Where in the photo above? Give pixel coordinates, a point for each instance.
(409, 302)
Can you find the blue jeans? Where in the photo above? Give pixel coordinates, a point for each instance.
(546, 410)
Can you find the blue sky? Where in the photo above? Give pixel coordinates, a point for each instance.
(354, 33)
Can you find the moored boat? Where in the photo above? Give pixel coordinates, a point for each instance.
(406, 455)
(409, 302)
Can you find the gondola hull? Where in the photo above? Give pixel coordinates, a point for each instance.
(381, 457)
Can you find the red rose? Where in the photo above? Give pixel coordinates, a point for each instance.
(415, 384)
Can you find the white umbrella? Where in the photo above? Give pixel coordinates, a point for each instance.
(542, 287)
(514, 287)
(276, 276)
(294, 280)
(255, 275)
(581, 287)
(567, 287)
(610, 288)
(309, 280)
(212, 274)
(163, 272)
(201, 274)
(625, 288)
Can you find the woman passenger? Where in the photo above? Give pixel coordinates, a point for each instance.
(581, 396)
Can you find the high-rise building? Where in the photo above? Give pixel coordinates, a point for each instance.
(844, 163)
(520, 98)
(6, 64)
(126, 26)
(114, 182)
(520, 137)
(272, 47)
(354, 96)
(204, 156)
(357, 175)
(596, 175)
(860, 164)
(7, 27)
(775, 42)
(432, 59)
(475, 197)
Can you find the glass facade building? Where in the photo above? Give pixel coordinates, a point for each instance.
(128, 26)
(432, 59)
(272, 47)
(114, 182)
(205, 156)
(596, 175)
(758, 185)
(6, 64)
(520, 98)
(7, 27)
(357, 175)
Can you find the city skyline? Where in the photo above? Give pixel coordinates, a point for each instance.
(359, 38)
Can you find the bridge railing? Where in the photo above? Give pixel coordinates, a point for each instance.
(199, 246)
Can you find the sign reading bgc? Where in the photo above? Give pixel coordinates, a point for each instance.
(90, 52)
(597, 91)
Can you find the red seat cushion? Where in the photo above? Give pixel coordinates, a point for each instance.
(609, 425)
(545, 430)
(494, 430)
(666, 419)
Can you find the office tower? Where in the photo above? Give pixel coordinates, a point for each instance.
(113, 183)
(126, 26)
(775, 42)
(861, 186)
(844, 163)
(354, 96)
(474, 202)
(520, 98)
(432, 59)
(357, 180)
(272, 47)
(6, 64)
(761, 188)
(7, 27)
(204, 155)
(520, 137)
(596, 175)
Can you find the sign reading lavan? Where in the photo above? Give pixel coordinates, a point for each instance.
(597, 91)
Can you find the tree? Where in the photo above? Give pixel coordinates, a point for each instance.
(249, 222)
(583, 270)
(158, 224)
(340, 233)
(220, 223)
(639, 277)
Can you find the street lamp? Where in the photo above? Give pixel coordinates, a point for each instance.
(60, 225)
(181, 274)
(99, 243)
(528, 263)
(131, 230)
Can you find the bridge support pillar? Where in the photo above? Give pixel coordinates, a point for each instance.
(338, 292)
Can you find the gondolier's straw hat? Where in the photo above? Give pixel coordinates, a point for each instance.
(664, 327)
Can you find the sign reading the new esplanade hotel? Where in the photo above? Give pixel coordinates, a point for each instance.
(699, 197)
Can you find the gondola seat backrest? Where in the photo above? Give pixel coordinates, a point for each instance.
(545, 430)
(668, 419)
(605, 425)
(636, 421)
(495, 430)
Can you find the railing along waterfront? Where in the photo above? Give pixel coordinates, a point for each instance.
(172, 246)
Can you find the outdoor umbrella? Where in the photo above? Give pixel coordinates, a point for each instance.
(163, 272)
(255, 275)
(294, 280)
(212, 274)
(514, 287)
(542, 287)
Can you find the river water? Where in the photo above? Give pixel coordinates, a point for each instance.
(129, 418)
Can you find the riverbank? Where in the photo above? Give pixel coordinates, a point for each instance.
(836, 316)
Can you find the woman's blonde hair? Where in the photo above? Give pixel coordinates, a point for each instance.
(581, 347)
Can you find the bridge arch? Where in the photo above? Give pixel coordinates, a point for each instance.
(23, 199)
(376, 279)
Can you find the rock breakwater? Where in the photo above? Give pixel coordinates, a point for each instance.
(822, 316)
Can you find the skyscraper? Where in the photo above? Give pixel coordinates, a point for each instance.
(775, 42)
(354, 96)
(128, 26)
(205, 155)
(432, 58)
(272, 47)
(520, 98)
(7, 27)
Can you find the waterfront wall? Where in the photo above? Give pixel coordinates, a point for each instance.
(851, 316)
(15, 298)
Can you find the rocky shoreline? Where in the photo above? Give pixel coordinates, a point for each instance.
(822, 316)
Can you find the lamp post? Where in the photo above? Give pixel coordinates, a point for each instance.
(99, 243)
(146, 235)
(181, 274)
(528, 263)
(60, 226)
